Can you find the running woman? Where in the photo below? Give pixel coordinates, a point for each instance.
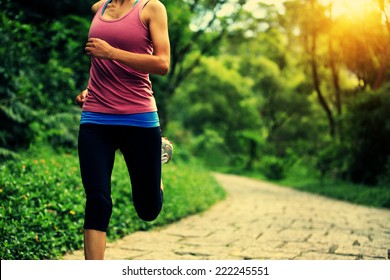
(127, 41)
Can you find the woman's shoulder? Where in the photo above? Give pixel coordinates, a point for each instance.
(155, 6)
(97, 5)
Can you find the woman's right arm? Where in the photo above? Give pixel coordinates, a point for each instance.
(81, 97)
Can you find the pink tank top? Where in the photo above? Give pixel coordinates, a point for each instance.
(115, 88)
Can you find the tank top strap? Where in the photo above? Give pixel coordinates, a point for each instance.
(142, 4)
(103, 7)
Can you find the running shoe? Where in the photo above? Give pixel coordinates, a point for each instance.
(166, 150)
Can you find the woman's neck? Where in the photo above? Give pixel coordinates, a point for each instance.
(121, 2)
(115, 9)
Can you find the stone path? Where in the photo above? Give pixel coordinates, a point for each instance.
(260, 220)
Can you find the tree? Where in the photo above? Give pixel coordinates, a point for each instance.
(308, 19)
(43, 66)
(196, 28)
(384, 64)
(222, 108)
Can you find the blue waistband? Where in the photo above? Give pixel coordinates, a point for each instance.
(149, 119)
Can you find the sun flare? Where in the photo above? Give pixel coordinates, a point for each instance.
(351, 8)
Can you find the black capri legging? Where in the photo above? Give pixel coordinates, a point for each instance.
(141, 148)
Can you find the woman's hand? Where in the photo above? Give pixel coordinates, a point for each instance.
(99, 48)
(80, 99)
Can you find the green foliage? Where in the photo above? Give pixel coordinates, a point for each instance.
(216, 125)
(341, 190)
(384, 179)
(211, 147)
(369, 137)
(300, 176)
(272, 167)
(41, 207)
(39, 78)
(38, 11)
(42, 203)
(60, 130)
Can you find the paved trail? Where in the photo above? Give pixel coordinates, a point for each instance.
(262, 221)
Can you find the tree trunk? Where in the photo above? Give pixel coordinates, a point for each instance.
(336, 85)
(316, 82)
(252, 154)
(385, 63)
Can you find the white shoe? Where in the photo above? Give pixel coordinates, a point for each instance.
(166, 150)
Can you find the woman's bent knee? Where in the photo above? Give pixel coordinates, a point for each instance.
(149, 210)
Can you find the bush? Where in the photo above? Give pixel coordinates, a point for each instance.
(211, 148)
(384, 179)
(332, 160)
(369, 136)
(272, 167)
(41, 209)
(43, 67)
(42, 203)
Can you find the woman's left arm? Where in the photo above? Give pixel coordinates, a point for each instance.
(155, 15)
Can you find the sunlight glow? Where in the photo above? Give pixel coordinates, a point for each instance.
(252, 5)
(349, 8)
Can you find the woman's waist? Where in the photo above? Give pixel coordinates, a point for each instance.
(145, 119)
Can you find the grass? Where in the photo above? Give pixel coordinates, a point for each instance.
(42, 203)
(373, 196)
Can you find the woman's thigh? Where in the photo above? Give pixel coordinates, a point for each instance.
(96, 147)
(141, 148)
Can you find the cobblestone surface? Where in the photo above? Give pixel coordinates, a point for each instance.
(260, 220)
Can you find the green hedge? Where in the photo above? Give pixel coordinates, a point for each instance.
(42, 203)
